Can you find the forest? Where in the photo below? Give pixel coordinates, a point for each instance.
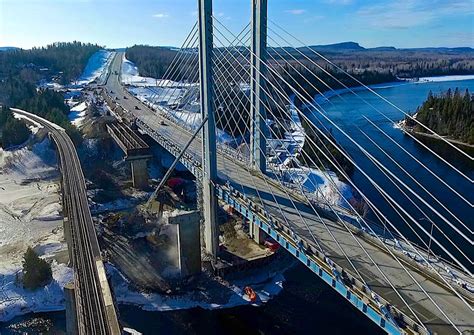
(22, 69)
(151, 61)
(12, 131)
(66, 58)
(450, 114)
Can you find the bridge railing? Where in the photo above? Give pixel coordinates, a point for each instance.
(331, 268)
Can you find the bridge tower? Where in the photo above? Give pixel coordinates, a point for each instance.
(209, 157)
(258, 56)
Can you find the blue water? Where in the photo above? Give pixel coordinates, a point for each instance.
(348, 111)
(307, 305)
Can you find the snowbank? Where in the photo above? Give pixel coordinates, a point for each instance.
(95, 68)
(130, 76)
(324, 185)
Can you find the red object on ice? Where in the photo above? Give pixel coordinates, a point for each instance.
(173, 182)
(250, 293)
(272, 245)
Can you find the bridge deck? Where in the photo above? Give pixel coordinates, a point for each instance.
(278, 201)
(130, 143)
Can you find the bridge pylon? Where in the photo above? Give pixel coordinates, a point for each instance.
(258, 56)
(209, 150)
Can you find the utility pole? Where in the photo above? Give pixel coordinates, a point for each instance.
(209, 152)
(258, 56)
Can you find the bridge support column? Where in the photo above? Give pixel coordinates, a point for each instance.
(256, 233)
(139, 173)
(71, 313)
(209, 158)
(189, 246)
(258, 115)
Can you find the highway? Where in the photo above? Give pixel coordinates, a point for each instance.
(95, 310)
(279, 202)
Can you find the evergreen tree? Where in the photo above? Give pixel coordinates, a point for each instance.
(12, 131)
(450, 114)
(36, 271)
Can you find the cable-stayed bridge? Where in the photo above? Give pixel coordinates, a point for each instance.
(250, 154)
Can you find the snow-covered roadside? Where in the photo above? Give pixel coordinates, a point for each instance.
(30, 216)
(130, 76)
(96, 68)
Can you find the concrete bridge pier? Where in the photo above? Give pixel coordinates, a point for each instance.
(71, 313)
(189, 242)
(139, 173)
(256, 233)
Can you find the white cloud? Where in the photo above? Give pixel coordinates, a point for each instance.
(411, 13)
(161, 15)
(296, 11)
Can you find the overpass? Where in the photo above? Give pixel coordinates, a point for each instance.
(136, 151)
(398, 285)
(94, 306)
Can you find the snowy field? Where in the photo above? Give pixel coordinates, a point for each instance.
(30, 216)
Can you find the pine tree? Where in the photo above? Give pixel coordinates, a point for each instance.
(36, 271)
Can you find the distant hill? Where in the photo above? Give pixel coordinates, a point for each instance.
(354, 46)
(344, 46)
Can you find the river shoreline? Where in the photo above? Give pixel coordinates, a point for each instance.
(405, 129)
(326, 96)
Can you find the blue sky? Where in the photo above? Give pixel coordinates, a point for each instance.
(119, 23)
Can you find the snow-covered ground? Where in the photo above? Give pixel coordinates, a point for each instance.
(130, 76)
(30, 216)
(96, 68)
(444, 78)
(78, 113)
(326, 186)
(231, 293)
